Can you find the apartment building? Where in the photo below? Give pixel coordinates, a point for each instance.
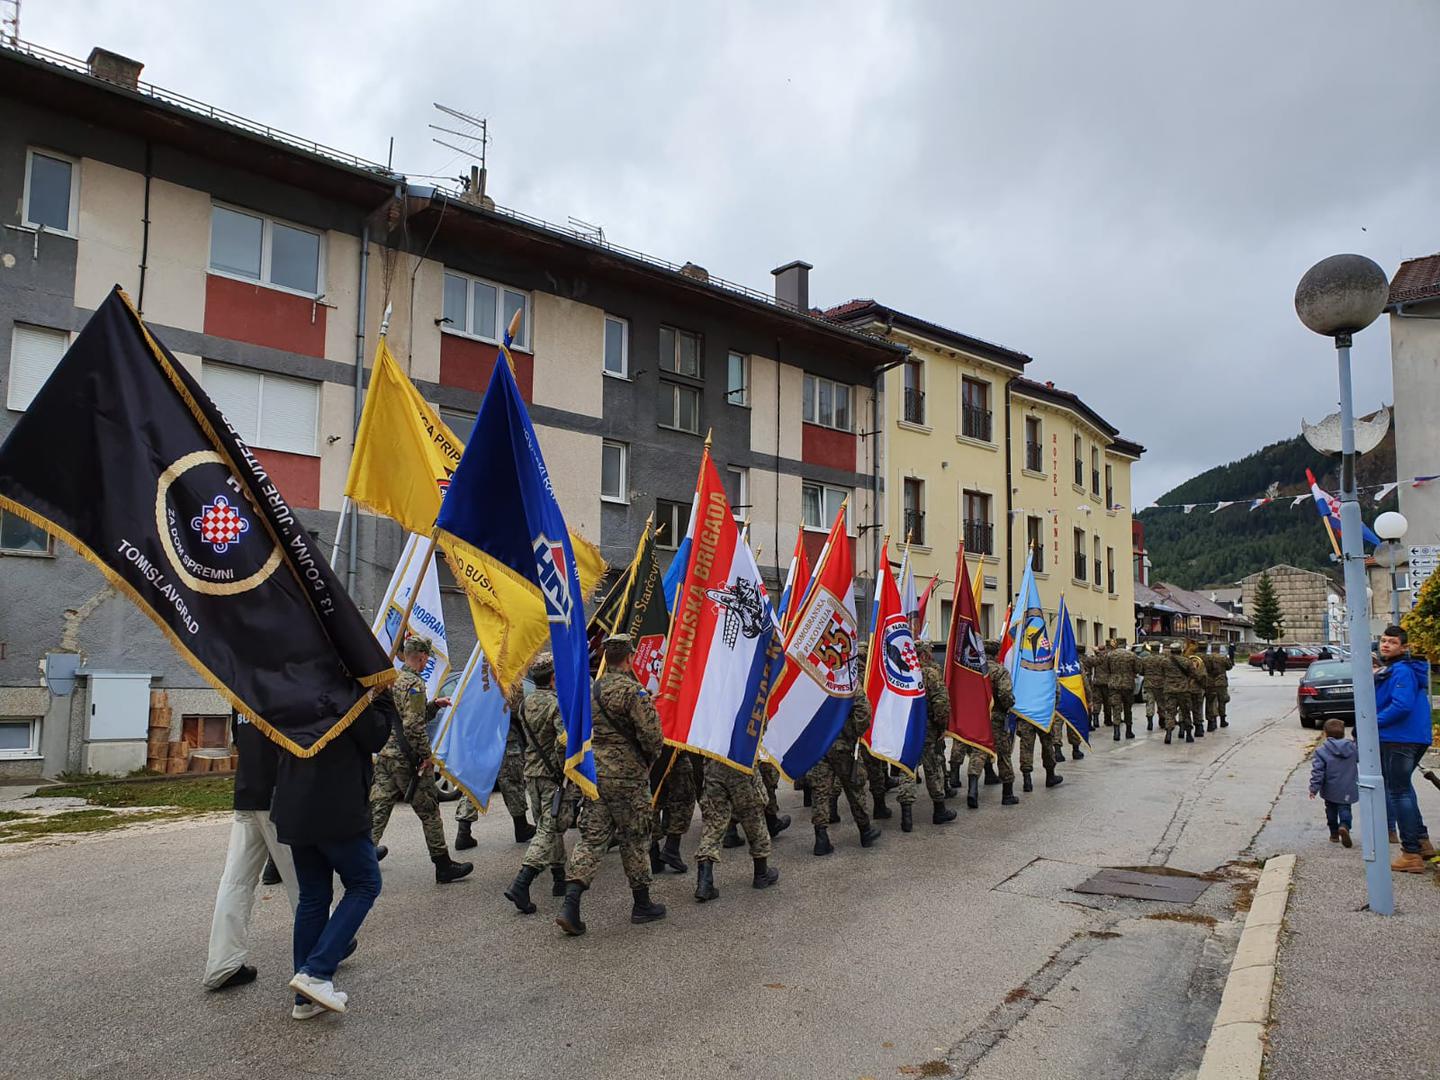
(267, 264)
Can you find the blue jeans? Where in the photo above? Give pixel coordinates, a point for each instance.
(322, 936)
(1398, 761)
(1337, 814)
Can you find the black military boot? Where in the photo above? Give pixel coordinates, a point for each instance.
(1211, 725)
(1149, 723)
(881, 811)
(1189, 735)
(1053, 778)
(775, 824)
(1079, 755)
(765, 875)
(1059, 752)
(1116, 733)
(380, 852)
(732, 837)
(1008, 796)
(463, 839)
(891, 782)
(557, 881)
(448, 870)
(523, 830)
(1025, 783)
(705, 881)
(972, 793)
(1168, 733)
(569, 917)
(657, 864)
(954, 778)
(644, 909)
(907, 817)
(822, 841)
(1199, 731)
(991, 776)
(834, 809)
(943, 815)
(1223, 721)
(271, 874)
(870, 835)
(670, 855)
(1129, 730)
(519, 891)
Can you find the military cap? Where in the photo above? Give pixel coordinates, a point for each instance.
(417, 644)
(1080, 649)
(1175, 646)
(619, 645)
(992, 647)
(543, 666)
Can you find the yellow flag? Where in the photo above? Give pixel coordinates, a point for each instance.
(979, 589)
(404, 454)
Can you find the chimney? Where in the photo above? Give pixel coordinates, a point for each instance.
(792, 284)
(114, 68)
(696, 271)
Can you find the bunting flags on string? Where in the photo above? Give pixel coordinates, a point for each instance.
(1385, 490)
(1379, 491)
(1221, 506)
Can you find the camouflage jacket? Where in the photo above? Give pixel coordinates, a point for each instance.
(544, 734)
(937, 698)
(1002, 690)
(408, 690)
(858, 723)
(626, 735)
(515, 701)
(1100, 670)
(1216, 666)
(1152, 670)
(1174, 674)
(1124, 665)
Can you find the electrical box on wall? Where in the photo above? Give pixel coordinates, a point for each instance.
(119, 705)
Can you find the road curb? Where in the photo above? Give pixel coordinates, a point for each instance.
(1236, 1048)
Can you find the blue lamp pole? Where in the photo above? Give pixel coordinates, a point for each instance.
(1337, 298)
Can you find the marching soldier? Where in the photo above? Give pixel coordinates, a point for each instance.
(1124, 665)
(838, 771)
(679, 791)
(1175, 694)
(932, 760)
(1100, 676)
(404, 765)
(877, 776)
(1217, 687)
(544, 732)
(510, 783)
(1195, 663)
(1152, 667)
(626, 739)
(1092, 699)
(1028, 733)
(1002, 696)
(728, 792)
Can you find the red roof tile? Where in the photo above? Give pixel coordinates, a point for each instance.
(1417, 279)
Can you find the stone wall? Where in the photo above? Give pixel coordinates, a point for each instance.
(1303, 599)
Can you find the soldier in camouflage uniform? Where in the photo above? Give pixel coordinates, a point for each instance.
(775, 821)
(1087, 668)
(1198, 678)
(679, 791)
(932, 759)
(1175, 694)
(1002, 696)
(510, 782)
(1124, 666)
(838, 771)
(728, 794)
(1100, 679)
(626, 740)
(1152, 666)
(397, 765)
(1027, 733)
(1217, 687)
(877, 775)
(539, 720)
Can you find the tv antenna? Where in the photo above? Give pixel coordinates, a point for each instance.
(10, 21)
(472, 132)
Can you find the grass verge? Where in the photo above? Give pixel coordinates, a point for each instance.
(77, 821)
(198, 796)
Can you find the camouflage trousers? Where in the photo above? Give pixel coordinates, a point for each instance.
(547, 846)
(621, 811)
(838, 772)
(1197, 709)
(1026, 733)
(1118, 701)
(510, 783)
(877, 773)
(1175, 709)
(392, 778)
(1215, 701)
(1004, 751)
(678, 796)
(1152, 699)
(770, 779)
(732, 795)
(932, 763)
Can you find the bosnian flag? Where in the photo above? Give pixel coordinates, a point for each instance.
(894, 682)
(722, 638)
(815, 690)
(1072, 705)
(1328, 508)
(797, 580)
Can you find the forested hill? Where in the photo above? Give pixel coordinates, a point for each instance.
(1205, 550)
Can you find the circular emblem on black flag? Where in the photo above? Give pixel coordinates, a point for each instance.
(209, 533)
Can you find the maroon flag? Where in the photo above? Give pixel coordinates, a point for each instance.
(965, 667)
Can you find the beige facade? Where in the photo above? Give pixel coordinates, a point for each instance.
(1304, 602)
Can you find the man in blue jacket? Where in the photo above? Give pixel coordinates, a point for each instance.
(1402, 699)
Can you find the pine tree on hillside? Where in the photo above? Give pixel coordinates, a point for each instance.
(1268, 622)
(1422, 622)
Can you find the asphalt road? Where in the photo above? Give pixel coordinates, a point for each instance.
(955, 950)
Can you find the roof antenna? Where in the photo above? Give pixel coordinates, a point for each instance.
(473, 133)
(10, 21)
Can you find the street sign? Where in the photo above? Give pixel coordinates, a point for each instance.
(1424, 561)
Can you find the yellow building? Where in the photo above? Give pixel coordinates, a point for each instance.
(972, 448)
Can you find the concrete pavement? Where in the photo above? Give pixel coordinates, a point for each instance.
(956, 950)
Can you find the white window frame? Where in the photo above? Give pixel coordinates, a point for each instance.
(267, 245)
(669, 540)
(674, 388)
(25, 553)
(624, 497)
(810, 401)
(740, 509)
(742, 399)
(825, 491)
(72, 227)
(260, 407)
(31, 752)
(676, 333)
(527, 330)
(10, 371)
(624, 324)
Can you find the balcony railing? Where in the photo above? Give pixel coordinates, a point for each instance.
(975, 422)
(1034, 457)
(914, 406)
(980, 537)
(915, 526)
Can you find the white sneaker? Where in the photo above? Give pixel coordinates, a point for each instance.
(321, 991)
(307, 1011)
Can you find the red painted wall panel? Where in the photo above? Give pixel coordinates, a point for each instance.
(296, 475)
(814, 541)
(245, 311)
(467, 364)
(825, 446)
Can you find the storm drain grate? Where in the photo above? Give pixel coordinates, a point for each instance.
(1162, 885)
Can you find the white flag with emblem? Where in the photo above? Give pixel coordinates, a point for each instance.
(427, 618)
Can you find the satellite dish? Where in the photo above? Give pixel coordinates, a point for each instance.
(1325, 436)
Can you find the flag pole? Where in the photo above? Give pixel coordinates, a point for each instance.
(414, 592)
(340, 530)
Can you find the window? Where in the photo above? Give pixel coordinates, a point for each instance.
(737, 490)
(50, 191)
(1097, 578)
(979, 531)
(617, 347)
(19, 738)
(482, 309)
(459, 423)
(1110, 488)
(987, 621)
(737, 384)
(1080, 559)
(819, 504)
(1035, 540)
(34, 353)
(679, 407)
(915, 510)
(614, 485)
(19, 537)
(1095, 470)
(680, 352)
(274, 412)
(1079, 464)
(212, 732)
(259, 248)
(827, 403)
(914, 392)
(1110, 570)
(1034, 450)
(975, 409)
(675, 517)
(1079, 631)
(1113, 636)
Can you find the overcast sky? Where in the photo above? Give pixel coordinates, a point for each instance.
(1126, 192)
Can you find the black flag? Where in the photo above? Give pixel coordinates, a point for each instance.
(124, 457)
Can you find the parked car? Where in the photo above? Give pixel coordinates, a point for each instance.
(1325, 691)
(1296, 656)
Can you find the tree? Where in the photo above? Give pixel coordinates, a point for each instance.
(1269, 624)
(1422, 622)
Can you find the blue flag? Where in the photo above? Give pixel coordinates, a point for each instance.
(502, 531)
(469, 744)
(1032, 659)
(1072, 705)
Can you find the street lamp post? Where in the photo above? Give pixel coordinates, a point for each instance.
(1390, 527)
(1339, 297)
